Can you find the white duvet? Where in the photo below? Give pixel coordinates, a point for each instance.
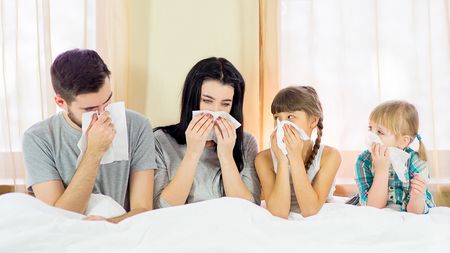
(221, 225)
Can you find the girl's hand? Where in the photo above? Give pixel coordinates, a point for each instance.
(275, 149)
(380, 157)
(294, 144)
(226, 137)
(196, 133)
(418, 187)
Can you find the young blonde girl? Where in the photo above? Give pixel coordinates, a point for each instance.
(396, 123)
(301, 180)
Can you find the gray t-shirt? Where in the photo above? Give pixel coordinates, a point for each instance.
(50, 151)
(206, 184)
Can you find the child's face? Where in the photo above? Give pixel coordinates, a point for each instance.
(300, 118)
(387, 137)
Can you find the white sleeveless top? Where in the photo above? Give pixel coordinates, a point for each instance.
(312, 172)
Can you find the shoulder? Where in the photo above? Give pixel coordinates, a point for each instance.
(136, 119)
(331, 153)
(364, 156)
(264, 156)
(249, 139)
(263, 159)
(43, 129)
(331, 156)
(416, 164)
(165, 140)
(160, 134)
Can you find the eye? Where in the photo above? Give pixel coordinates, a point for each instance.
(207, 101)
(226, 104)
(380, 132)
(291, 116)
(275, 117)
(370, 128)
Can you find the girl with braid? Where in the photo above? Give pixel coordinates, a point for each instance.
(296, 173)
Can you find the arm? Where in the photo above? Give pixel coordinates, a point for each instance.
(232, 181)
(141, 194)
(76, 197)
(378, 193)
(276, 187)
(311, 197)
(177, 191)
(416, 202)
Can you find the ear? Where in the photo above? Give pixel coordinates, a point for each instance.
(404, 141)
(313, 121)
(60, 102)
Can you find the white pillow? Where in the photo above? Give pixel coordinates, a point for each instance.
(104, 206)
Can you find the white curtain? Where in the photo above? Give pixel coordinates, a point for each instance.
(32, 34)
(359, 53)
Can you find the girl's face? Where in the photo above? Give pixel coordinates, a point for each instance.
(300, 118)
(387, 137)
(216, 96)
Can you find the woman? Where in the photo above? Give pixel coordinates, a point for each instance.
(193, 168)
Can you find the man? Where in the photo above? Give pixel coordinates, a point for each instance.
(81, 82)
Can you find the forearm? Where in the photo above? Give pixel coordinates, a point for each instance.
(378, 193)
(232, 181)
(278, 202)
(77, 194)
(307, 198)
(177, 191)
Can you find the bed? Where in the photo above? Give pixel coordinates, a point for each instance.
(221, 225)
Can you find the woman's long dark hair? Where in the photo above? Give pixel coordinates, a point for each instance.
(213, 68)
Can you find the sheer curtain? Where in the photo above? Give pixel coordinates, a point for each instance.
(359, 53)
(32, 34)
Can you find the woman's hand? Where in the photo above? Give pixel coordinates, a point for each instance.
(197, 132)
(226, 137)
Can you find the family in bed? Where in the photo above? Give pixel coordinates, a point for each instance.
(207, 154)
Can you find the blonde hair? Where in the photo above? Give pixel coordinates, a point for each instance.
(401, 118)
(301, 98)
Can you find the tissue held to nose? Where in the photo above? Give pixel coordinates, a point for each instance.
(101, 133)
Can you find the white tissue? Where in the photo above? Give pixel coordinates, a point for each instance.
(119, 147)
(280, 134)
(105, 206)
(397, 156)
(216, 115)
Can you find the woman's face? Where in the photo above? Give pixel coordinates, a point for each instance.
(216, 96)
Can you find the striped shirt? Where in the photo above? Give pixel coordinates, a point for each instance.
(398, 192)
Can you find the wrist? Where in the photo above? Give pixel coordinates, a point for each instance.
(94, 153)
(192, 155)
(224, 153)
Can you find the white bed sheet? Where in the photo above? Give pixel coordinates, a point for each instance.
(221, 225)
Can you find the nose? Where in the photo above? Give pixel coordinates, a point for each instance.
(102, 109)
(214, 107)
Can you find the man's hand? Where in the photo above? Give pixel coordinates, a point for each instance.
(100, 133)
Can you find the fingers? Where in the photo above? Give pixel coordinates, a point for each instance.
(196, 120)
(218, 132)
(207, 127)
(418, 182)
(202, 123)
(104, 117)
(94, 218)
(224, 127)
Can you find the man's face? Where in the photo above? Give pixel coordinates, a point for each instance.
(88, 102)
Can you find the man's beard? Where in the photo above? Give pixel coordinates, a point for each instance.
(72, 118)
